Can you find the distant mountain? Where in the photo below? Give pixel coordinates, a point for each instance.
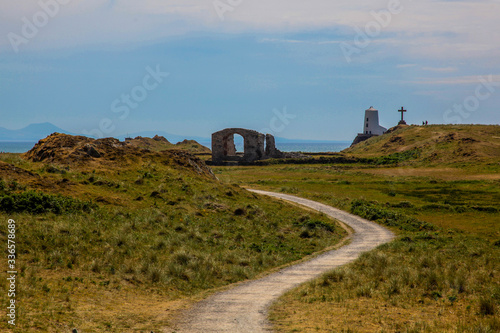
(206, 141)
(33, 132)
(170, 137)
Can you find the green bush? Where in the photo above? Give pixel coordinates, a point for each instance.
(375, 212)
(395, 158)
(310, 224)
(40, 203)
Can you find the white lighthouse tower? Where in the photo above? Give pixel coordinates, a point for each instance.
(371, 125)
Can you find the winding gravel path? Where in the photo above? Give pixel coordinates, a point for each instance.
(244, 307)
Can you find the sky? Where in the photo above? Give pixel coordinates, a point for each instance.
(295, 69)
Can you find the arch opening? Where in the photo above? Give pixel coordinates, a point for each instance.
(239, 143)
(233, 145)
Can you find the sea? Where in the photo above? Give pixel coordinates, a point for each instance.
(16, 146)
(313, 147)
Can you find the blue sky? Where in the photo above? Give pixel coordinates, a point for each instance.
(297, 69)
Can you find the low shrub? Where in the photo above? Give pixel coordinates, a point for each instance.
(40, 203)
(486, 306)
(375, 212)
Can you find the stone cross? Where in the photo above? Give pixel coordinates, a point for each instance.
(402, 121)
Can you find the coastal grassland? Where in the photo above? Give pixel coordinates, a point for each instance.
(453, 198)
(421, 282)
(441, 274)
(120, 248)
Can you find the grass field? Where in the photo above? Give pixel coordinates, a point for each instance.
(121, 245)
(440, 275)
(123, 241)
(449, 201)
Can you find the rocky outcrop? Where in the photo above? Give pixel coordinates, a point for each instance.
(108, 153)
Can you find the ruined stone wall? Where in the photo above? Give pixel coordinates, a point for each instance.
(271, 150)
(223, 148)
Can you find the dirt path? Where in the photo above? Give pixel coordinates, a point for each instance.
(244, 307)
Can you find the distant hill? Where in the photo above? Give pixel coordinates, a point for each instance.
(173, 138)
(436, 144)
(33, 132)
(160, 143)
(206, 140)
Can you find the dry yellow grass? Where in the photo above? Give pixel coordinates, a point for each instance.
(369, 315)
(126, 310)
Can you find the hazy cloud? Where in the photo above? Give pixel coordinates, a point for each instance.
(426, 27)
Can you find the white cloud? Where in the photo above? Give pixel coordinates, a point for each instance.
(425, 28)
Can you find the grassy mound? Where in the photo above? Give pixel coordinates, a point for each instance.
(436, 144)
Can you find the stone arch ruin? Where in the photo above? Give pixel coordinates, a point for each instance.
(257, 146)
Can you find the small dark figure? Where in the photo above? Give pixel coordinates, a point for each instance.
(426, 123)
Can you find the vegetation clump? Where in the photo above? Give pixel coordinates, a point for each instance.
(374, 212)
(39, 203)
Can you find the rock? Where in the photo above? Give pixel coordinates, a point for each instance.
(91, 151)
(160, 138)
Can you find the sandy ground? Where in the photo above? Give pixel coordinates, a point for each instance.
(244, 307)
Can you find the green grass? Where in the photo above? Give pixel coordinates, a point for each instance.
(436, 145)
(160, 232)
(440, 274)
(92, 244)
(439, 197)
(39, 203)
(449, 277)
(390, 159)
